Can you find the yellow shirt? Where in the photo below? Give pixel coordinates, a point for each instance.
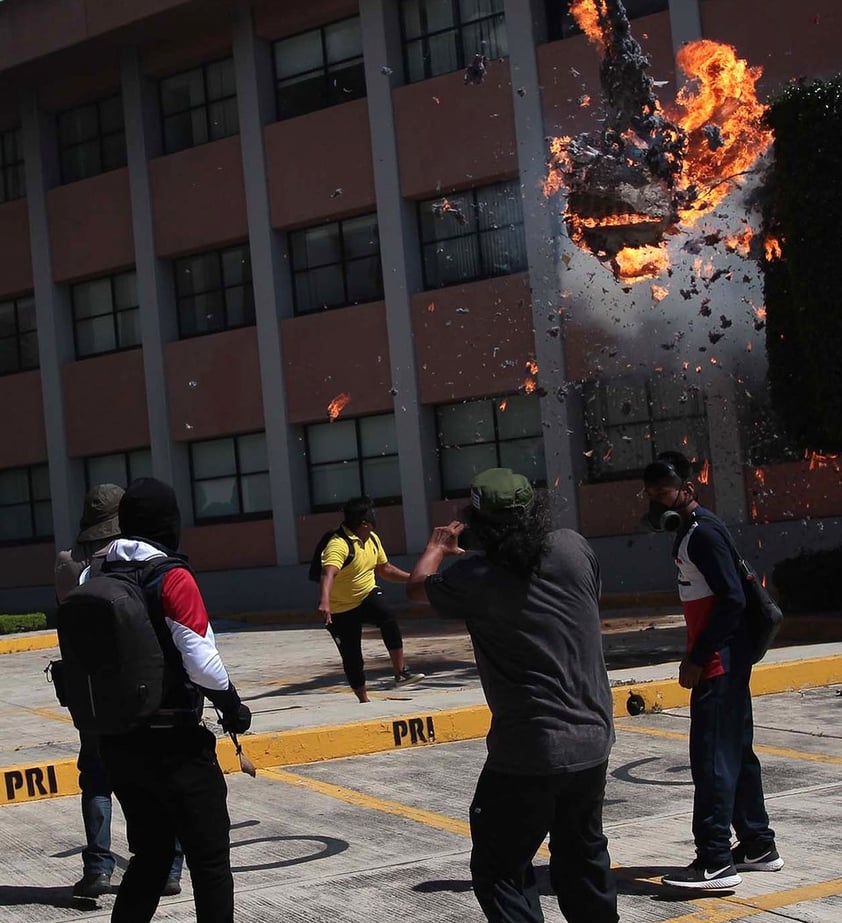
(353, 583)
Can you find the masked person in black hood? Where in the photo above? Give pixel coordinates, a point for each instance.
(164, 773)
(717, 668)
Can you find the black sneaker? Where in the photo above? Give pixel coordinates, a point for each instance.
(405, 678)
(172, 887)
(756, 858)
(702, 877)
(92, 885)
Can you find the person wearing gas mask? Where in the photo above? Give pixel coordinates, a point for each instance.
(717, 668)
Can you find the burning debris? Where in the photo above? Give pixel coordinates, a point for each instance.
(647, 170)
(446, 207)
(477, 70)
(337, 405)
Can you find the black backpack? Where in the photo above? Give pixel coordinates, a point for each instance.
(315, 571)
(763, 615)
(117, 658)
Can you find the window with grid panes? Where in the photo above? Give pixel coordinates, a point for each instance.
(351, 458)
(500, 432)
(230, 478)
(106, 316)
(440, 36)
(26, 511)
(628, 421)
(119, 468)
(11, 166)
(214, 291)
(319, 68)
(336, 264)
(562, 24)
(472, 235)
(91, 139)
(18, 335)
(199, 105)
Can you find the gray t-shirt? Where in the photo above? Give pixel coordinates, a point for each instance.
(539, 654)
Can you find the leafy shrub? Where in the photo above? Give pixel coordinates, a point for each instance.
(29, 621)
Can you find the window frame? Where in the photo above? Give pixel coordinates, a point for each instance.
(125, 457)
(325, 69)
(34, 538)
(458, 28)
(204, 105)
(100, 137)
(495, 401)
(249, 283)
(18, 334)
(7, 166)
(114, 313)
(238, 476)
(359, 459)
(651, 422)
(476, 233)
(344, 262)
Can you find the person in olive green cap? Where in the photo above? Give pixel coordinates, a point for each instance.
(98, 528)
(530, 600)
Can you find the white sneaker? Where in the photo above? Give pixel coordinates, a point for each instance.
(405, 678)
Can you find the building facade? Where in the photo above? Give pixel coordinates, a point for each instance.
(283, 253)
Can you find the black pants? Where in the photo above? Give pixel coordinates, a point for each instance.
(726, 771)
(511, 815)
(346, 629)
(169, 785)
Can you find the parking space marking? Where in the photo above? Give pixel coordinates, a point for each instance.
(758, 748)
(743, 908)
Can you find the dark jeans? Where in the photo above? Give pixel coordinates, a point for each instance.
(346, 629)
(511, 815)
(169, 785)
(97, 858)
(726, 771)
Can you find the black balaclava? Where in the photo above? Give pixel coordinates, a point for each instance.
(149, 510)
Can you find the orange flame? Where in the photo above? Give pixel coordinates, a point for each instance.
(740, 243)
(431, 306)
(635, 263)
(754, 514)
(659, 292)
(532, 366)
(530, 384)
(586, 13)
(337, 405)
(818, 461)
(772, 249)
(704, 474)
(503, 404)
(760, 476)
(763, 580)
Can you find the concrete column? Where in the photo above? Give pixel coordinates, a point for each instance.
(272, 286)
(525, 27)
(725, 449)
(155, 284)
(685, 22)
(401, 257)
(53, 317)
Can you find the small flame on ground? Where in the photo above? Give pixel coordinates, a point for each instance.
(772, 249)
(337, 405)
(704, 474)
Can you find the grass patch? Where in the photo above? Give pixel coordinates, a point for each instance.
(28, 621)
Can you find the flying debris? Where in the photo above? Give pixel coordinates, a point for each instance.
(477, 70)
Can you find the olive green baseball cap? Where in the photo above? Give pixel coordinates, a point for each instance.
(500, 493)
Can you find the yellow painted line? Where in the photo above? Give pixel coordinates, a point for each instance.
(29, 643)
(724, 909)
(404, 732)
(49, 713)
(758, 748)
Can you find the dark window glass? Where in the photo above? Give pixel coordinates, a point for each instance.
(472, 235)
(11, 166)
(319, 68)
(91, 139)
(230, 478)
(118, 468)
(628, 421)
(502, 432)
(199, 105)
(214, 291)
(337, 264)
(440, 36)
(106, 316)
(562, 24)
(348, 458)
(26, 513)
(18, 335)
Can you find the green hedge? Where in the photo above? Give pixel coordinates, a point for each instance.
(802, 289)
(29, 621)
(810, 582)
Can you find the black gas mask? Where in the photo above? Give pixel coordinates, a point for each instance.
(661, 518)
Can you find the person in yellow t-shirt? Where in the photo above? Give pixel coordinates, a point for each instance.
(349, 596)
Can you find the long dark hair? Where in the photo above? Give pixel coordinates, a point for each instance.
(519, 543)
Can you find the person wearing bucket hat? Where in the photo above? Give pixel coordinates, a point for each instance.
(530, 600)
(98, 528)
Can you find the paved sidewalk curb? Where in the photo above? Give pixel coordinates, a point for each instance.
(310, 745)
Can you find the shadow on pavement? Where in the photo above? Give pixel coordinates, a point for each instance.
(14, 896)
